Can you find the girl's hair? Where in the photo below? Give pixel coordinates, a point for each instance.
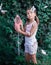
(36, 18)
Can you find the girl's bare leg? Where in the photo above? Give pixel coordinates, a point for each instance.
(27, 57)
(33, 57)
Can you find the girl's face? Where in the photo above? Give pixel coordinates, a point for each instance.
(30, 14)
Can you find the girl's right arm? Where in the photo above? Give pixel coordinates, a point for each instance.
(23, 28)
(29, 34)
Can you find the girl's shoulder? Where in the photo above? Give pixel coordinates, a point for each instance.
(34, 23)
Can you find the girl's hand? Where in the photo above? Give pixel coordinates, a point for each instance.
(18, 19)
(17, 28)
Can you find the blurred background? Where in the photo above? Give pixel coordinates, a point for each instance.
(12, 43)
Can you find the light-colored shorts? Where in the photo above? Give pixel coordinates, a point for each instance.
(31, 49)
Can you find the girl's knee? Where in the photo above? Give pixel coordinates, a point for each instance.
(33, 57)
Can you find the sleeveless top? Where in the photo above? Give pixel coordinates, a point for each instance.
(30, 40)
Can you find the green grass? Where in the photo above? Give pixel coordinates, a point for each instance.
(21, 61)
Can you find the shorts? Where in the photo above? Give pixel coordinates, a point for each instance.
(31, 49)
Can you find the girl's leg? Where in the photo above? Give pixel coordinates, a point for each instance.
(27, 57)
(33, 58)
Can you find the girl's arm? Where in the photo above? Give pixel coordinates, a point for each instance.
(34, 27)
(22, 28)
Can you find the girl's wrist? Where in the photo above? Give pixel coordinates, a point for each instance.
(22, 32)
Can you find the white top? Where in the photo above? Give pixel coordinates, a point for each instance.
(32, 39)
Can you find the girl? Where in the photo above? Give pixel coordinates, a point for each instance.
(30, 31)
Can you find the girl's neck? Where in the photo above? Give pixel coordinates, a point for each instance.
(31, 20)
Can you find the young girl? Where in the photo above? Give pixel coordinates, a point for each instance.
(30, 31)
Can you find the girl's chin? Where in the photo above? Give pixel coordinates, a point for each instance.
(29, 18)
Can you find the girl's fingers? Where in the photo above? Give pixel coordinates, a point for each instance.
(16, 27)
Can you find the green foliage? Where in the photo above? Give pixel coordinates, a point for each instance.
(9, 37)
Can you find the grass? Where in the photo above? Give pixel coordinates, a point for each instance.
(45, 61)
